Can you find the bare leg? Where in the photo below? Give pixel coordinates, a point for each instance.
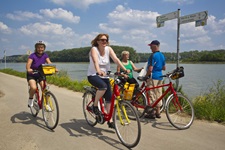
(33, 87)
(98, 95)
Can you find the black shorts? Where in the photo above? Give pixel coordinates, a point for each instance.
(37, 78)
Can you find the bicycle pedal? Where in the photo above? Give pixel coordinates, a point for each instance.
(100, 118)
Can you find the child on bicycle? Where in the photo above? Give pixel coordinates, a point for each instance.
(99, 57)
(156, 63)
(35, 60)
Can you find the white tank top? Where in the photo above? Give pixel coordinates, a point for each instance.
(104, 62)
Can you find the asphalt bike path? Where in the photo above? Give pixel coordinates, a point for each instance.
(20, 131)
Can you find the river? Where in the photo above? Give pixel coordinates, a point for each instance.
(197, 80)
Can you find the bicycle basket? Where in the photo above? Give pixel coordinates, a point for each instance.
(178, 73)
(48, 69)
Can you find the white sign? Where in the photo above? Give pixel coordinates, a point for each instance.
(166, 17)
(194, 17)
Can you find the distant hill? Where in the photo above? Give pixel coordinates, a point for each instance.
(81, 55)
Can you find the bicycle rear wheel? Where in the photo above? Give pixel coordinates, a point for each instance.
(139, 101)
(180, 111)
(128, 130)
(89, 115)
(50, 110)
(35, 108)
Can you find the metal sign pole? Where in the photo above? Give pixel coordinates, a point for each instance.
(178, 43)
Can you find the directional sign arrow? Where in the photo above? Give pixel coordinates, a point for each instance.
(166, 17)
(194, 17)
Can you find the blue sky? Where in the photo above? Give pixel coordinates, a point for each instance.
(65, 24)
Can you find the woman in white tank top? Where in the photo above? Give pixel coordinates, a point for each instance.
(99, 57)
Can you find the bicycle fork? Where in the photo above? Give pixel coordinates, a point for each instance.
(120, 110)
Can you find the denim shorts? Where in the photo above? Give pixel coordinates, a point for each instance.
(101, 84)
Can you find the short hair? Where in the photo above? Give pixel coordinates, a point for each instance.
(124, 53)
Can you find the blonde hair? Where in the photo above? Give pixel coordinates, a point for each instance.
(124, 53)
(97, 38)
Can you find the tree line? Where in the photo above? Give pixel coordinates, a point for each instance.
(82, 55)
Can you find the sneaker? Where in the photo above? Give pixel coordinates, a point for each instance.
(30, 102)
(48, 108)
(111, 125)
(96, 110)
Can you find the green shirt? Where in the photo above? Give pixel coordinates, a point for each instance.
(129, 67)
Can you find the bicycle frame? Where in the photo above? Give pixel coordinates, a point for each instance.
(170, 89)
(114, 101)
(42, 97)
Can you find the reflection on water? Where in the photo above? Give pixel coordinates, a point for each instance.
(197, 80)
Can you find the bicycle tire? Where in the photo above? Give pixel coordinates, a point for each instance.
(35, 108)
(128, 131)
(139, 101)
(180, 119)
(50, 110)
(87, 108)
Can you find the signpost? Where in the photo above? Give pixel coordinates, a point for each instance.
(194, 17)
(161, 19)
(200, 19)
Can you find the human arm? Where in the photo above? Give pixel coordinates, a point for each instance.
(135, 68)
(48, 61)
(28, 65)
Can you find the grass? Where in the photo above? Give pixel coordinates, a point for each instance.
(209, 106)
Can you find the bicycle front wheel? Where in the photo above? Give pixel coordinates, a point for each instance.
(128, 130)
(180, 111)
(87, 108)
(50, 110)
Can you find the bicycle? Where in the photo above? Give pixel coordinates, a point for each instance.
(127, 124)
(179, 109)
(46, 100)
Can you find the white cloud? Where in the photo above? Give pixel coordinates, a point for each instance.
(81, 4)
(4, 28)
(46, 28)
(21, 16)
(60, 13)
(122, 17)
(180, 2)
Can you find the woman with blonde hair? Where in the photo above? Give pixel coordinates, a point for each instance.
(129, 65)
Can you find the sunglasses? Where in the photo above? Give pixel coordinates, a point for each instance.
(103, 40)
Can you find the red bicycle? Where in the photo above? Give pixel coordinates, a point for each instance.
(125, 118)
(46, 100)
(179, 109)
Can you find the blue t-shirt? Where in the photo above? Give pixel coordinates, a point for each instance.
(157, 60)
(37, 61)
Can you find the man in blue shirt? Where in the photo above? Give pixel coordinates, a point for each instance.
(156, 63)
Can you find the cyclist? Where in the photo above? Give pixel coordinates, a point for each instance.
(156, 63)
(99, 57)
(129, 65)
(35, 60)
